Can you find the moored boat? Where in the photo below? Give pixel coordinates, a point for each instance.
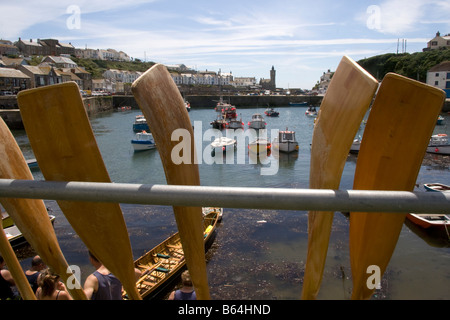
(286, 141)
(428, 220)
(440, 120)
(270, 112)
(257, 122)
(354, 148)
(219, 123)
(440, 187)
(311, 111)
(222, 144)
(234, 123)
(162, 264)
(32, 163)
(439, 144)
(187, 105)
(259, 145)
(140, 124)
(15, 236)
(143, 141)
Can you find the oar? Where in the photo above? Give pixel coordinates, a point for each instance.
(342, 110)
(394, 143)
(65, 147)
(163, 107)
(15, 268)
(30, 215)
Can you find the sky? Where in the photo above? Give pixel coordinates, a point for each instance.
(301, 39)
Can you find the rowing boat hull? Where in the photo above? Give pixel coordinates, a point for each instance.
(437, 221)
(439, 187)
(163, 264)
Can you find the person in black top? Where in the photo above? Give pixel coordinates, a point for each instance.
(6, 282)
(33, 274)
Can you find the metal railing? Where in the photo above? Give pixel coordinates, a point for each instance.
(231, 197)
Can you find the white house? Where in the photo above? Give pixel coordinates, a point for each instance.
(439, 76)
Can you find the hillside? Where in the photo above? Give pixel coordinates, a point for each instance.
(97, 67)
(413, 65)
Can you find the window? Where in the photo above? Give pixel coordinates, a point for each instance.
(436, 83)
(447, 85)
(448, 75)
(437, 74)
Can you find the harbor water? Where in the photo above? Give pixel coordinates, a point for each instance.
(258, 254)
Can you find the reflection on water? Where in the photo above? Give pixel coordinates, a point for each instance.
(260, 254)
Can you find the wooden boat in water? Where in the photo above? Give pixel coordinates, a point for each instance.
(440, 187)
(260, 146)
(165, 262)
(428, 220)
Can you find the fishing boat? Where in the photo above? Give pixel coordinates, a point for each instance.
(257, 122)
(440, 187)
(259, 145)
(124, 108)
(187, 105)
(15, 236)
(165, 262)
(143, 141)
(286, 141)
(234, 123)
(428, 220)
(311, 111)
(298, 104)
(439, 144)
(222, 144)
(140, 124)
(440, 120)
(220, 123)
(270, 112)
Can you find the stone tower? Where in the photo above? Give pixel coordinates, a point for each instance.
(272, 79)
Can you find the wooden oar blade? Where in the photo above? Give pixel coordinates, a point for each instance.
(163, 107)
(30, 215)
(342, 110)
(394, 143)
(63, 142)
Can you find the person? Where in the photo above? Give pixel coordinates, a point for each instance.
(186, 292)
(6, 282)
(32, 274)
(102, 284)
(51, 288)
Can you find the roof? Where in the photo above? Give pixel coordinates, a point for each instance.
(443, 66)
(12, 73)
(38, 69)
(59, 59)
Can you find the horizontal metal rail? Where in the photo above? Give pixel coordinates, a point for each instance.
(231, 197)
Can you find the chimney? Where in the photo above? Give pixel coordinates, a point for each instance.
(438, 34)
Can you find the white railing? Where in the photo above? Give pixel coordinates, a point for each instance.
(231, 197)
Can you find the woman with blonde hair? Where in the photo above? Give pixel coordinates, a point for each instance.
(51, 288)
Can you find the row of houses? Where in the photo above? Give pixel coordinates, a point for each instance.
(17, 75)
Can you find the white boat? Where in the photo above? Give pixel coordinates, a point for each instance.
(260, 145)
(355, 145)
(187, 105)
(234, 123)
(285, 142)
(439, 144)
(257, 122)
(222, 144)
(143, 141)
(311, 111)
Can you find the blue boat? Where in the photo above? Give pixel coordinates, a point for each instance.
(140, 124)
